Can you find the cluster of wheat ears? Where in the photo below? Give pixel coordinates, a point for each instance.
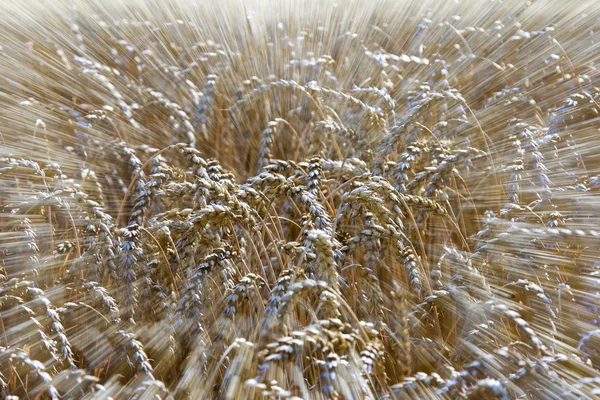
(387, 200)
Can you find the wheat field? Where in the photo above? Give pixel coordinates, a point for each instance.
(300, 200)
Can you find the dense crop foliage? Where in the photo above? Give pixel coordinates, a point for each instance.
(395, 200)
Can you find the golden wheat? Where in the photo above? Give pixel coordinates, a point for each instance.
(316, 200)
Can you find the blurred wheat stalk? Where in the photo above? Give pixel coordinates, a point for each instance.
(394, 200)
